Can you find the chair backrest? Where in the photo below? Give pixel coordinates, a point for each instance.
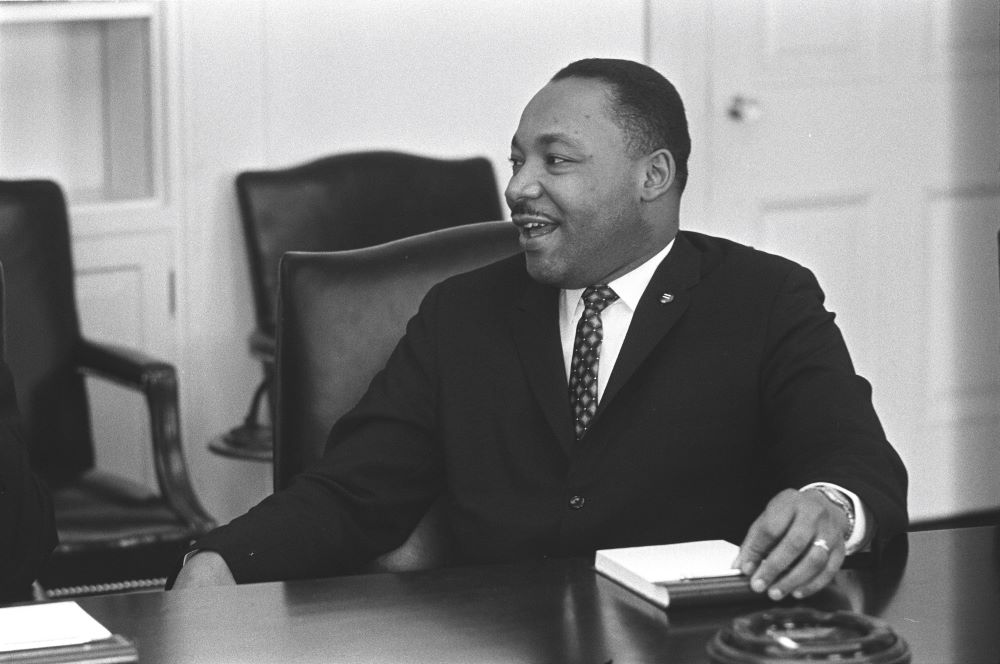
(351, 201)
(342, 313)
(43, 329)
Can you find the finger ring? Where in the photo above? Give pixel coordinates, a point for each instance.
(821, 543)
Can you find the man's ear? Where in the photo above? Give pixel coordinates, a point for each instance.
(659, 175)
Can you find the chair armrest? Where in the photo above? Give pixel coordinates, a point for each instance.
(125, 366)
(157, 380)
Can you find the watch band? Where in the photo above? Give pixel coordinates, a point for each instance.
(841, 501)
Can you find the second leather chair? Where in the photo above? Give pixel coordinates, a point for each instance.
(340, 316)
(341, 202)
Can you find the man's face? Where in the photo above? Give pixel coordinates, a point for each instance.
(575, 190)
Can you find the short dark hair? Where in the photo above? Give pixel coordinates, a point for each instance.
(646, 106)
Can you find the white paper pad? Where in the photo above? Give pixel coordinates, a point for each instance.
(46, 625)
(675, 562)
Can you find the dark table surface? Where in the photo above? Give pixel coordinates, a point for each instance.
(942, 596)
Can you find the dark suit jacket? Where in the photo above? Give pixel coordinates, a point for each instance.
(738, 387)
(27, 529)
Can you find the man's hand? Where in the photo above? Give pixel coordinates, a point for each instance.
(796, 546)
(204, 569)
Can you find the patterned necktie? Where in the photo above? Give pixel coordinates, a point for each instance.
(586, 355)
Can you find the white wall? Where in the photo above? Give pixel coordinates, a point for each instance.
(267, 84)
(440, 77)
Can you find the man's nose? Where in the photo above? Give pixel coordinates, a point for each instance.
(523, 184)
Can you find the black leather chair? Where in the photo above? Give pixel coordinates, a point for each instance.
(113, 534)
(340, 314)
(341, 202)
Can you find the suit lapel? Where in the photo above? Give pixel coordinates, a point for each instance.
(535, 329)
(654, 317)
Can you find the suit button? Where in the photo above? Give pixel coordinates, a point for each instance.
(576, 502)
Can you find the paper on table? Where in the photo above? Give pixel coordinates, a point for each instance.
(47, 625)
(676, 562)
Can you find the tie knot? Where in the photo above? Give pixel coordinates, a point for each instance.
(596, 298)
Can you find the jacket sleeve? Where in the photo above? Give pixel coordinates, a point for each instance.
(381, 471)
(27, 526)
(820, 422)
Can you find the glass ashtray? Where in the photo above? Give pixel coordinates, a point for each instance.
(802, 634)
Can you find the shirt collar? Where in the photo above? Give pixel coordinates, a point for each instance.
(629, 287)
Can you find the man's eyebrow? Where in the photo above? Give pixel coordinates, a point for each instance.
(548, 139)
(556, 137)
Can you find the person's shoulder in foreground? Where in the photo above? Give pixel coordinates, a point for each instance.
(732, 410)
(27, 530)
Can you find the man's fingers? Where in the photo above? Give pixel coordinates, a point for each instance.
(764, 533)
(793, 546)
(203, 569)
(752, 550)
(818, 582)
(811, 571)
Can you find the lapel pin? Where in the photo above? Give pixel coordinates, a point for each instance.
(666, 298)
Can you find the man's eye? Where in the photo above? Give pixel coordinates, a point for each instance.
(555, 160)
(515, 163)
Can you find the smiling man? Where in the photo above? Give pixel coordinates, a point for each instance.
(621, 383)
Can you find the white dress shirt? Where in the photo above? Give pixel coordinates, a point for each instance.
(615, 321)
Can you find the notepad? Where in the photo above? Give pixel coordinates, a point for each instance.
(47, 625)
(683, 573)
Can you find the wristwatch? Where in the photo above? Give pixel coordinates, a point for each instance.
(841, 501)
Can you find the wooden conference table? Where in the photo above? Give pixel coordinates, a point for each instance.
(942, 596)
